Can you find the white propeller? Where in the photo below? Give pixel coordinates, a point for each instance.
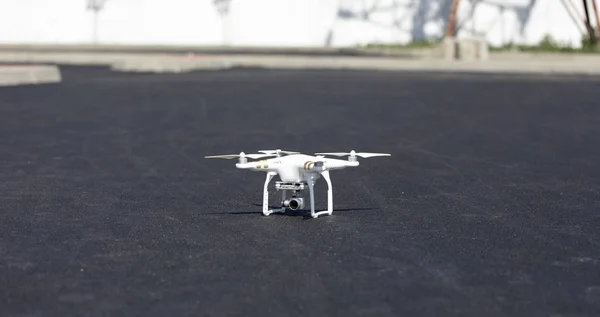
(242, 155)
(278, 151)
(353, 153)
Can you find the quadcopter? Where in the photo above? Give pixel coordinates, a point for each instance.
(297, 172)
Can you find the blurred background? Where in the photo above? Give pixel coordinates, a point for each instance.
(571, 24)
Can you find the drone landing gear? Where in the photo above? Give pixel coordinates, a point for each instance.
(265, 210)
(311, 190)
(296, 203)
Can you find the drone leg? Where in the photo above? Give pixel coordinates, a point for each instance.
(265, 208)
(329, 210)
(311, 190)
(329, 192)
(282, 209)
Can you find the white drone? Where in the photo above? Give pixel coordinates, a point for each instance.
(296, 171)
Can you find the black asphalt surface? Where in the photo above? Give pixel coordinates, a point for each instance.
(488, 206)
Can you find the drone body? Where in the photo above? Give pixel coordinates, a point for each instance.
(297, 172)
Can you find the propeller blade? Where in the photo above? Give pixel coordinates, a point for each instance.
(257, 156)
(231, 156)
(226, 156)
(333, 153)
(279, 150)
(352, 153)
(366, 154)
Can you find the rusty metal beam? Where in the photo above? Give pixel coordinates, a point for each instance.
(597, 18)
(450, 28)
(588, 25)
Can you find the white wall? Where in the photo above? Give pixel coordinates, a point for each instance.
(284, 22)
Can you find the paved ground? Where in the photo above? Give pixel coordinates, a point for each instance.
(489, 205)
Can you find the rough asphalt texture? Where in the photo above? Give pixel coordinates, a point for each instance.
(489, 205)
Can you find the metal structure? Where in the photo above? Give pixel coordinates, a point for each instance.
(96, 6)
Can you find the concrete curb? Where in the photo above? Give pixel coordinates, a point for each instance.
(170, 65)
(29, 75)
(178, 63)
(504, 66)
(211, 50)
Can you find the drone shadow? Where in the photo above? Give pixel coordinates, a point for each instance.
(305, 214)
